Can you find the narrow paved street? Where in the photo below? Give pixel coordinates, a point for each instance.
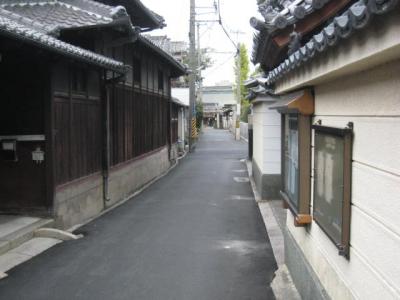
(195, 234)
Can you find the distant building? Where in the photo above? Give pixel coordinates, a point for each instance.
(217, 105)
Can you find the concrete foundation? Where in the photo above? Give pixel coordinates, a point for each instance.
(303, 276)
(79, 201)
(268, 185)
(175, 151)
(125, 180)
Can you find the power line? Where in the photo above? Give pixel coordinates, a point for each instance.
(223, 27)
(213, 69)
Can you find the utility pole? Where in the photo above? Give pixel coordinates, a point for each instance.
(199, 58)
(238, 91)
(192, 76)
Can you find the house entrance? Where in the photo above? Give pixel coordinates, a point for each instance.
(22, 139)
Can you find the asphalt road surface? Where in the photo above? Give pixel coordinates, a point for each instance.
(195, 234)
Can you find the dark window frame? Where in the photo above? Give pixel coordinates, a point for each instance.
(347, 135)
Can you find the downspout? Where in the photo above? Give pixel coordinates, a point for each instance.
(107, 84)
(169, 116)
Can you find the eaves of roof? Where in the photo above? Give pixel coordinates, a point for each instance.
(355, 18)
(16, 30)
(271, 43)
(66, 14)
(278, 16)
(141, 16)
(179, 69)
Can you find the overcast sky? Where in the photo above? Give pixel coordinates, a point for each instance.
(235, 15)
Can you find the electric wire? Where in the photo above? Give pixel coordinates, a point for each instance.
(223, 27)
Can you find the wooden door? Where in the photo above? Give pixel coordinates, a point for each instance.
(22, 182)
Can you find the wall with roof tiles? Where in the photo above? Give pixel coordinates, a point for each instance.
(370, 99)
(372, 46)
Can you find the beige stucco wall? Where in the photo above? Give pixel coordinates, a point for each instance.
(371, 100)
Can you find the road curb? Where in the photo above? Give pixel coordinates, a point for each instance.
(282, 285)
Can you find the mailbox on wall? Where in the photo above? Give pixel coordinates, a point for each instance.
(9, 150)
(9, 146)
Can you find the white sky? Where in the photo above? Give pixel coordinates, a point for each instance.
(235, 16)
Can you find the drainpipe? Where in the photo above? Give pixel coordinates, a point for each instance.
(106, 86)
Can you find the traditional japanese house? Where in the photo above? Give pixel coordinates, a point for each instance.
(79, 137)
(332, 68)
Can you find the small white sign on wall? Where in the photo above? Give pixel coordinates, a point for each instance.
(38, 155)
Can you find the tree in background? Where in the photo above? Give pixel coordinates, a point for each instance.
(244, 74)
(199, 114)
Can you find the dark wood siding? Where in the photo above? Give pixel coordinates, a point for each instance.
(137, 123)
(77, 124)
(139, 115)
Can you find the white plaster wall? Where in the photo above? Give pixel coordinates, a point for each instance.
(371, 100)
(258, 141)
(267, 138)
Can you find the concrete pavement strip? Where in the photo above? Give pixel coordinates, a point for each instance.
(24, 252)
(282, 285)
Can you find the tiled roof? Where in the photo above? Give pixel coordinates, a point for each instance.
(146, 39)
(355, 18)
(341, 27)
(141, 16)
(175, 48)
(13, 27)
(65, 13)
(279, 14)
(161, 41)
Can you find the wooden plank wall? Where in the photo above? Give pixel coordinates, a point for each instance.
(137, 123)
(77, 125)
(139, 113)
